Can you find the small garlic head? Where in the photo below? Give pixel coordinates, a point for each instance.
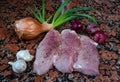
(19, 66)
(24, 54)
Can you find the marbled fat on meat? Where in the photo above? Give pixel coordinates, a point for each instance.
(47, 52)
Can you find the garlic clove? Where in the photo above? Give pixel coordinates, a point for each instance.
(28, 58)
(25, 55)
(19, 66)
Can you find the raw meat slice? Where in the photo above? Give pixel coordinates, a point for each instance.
(69, 47)
(88, 58)
(67, 52)
(47, 52)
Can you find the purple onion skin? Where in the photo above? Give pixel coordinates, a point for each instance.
(100, 37)
(76, 25)
(92, 28)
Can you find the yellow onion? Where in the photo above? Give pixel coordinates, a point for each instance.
(29, 28)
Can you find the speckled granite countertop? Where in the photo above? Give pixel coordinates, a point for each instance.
(107, 12)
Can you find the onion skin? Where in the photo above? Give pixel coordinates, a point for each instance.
(29, 28)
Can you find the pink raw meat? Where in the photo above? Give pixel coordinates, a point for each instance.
(88, 58)
(67, 52)
(47, 52)
(69, 47)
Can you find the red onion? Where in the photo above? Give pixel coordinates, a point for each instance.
(100, 36)
(76, 25)
(92, 28)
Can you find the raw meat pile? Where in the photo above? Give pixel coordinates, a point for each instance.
(67, 52)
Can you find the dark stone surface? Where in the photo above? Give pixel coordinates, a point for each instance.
(107, 12)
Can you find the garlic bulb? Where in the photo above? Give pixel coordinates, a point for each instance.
(24, 54)
(19, 66)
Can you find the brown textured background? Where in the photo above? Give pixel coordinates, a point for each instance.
(107, 12)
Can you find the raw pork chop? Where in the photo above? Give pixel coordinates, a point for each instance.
(68, 52)
(88, 59)
(69, 47)
(47, 52)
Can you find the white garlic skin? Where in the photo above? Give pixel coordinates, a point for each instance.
(19, 66)
(25, 55)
